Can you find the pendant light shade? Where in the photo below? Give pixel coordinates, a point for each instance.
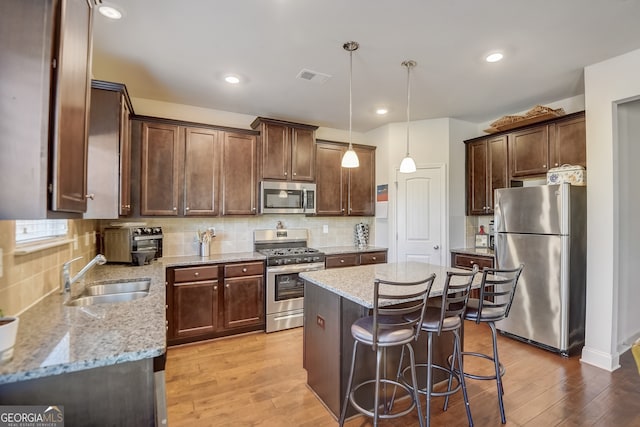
(408, 165)
(350, 158)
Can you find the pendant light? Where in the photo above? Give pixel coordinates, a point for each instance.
(350, 158)
(408, 165)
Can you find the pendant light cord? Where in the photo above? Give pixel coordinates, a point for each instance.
(350, 96)
(409, 64)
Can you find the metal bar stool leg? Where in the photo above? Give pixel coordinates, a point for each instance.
(376, 399)
(429, 378)
(458, 356)
(498, 371)
(414, 379)
(343, 413)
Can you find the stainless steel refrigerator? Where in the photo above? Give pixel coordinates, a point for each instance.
(544, 227)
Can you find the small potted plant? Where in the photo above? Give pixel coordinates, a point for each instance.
(8, 333)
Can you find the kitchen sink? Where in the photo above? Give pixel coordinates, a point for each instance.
(106, 298)
(108, 287)
(110, 291)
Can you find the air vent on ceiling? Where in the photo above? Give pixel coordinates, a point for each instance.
(313, 76)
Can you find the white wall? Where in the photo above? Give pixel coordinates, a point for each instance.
(628, 153)
(432, 142)
(606, 84)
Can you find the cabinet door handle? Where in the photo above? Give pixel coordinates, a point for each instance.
(175, 208)
(196, 274)
(90, 196)
(285, 174)
(373, 258)
(244, 270)
(544, 166)
(186, 209)
(555, 164)
(226, 286)
(471, 262)
(215, 288)
(294, 174)
(342, 261)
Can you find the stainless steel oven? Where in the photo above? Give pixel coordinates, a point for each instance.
(285, 295)
(287, 256)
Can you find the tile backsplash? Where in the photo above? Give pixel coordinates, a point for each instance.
(236, 234)
(25, 279)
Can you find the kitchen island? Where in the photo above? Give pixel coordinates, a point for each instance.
(333, 300)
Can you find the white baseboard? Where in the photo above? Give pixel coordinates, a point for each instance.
(600, 359)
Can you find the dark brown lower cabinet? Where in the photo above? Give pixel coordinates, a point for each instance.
(467, 261)
(199, 308)
(351, 259)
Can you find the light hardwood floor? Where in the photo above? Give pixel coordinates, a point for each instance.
(258, 380)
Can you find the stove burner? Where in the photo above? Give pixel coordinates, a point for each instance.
(287, 251)
(286, 256)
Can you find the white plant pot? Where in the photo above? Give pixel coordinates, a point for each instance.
(8, 334)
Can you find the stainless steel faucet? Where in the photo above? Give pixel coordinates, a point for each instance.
(67, 280)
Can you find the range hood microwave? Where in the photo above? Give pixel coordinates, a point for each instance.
(287, 197)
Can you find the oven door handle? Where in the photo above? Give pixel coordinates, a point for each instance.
(296, 268)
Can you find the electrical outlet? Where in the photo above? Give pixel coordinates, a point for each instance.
(75, 242)
(93, 237)
(320, 321)
(87, 238)
(325, 228)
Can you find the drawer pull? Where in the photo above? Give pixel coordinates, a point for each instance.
(244, 270)
(342, 261)
(471, 262)
(196, 274)
(373, 258)
(215, 288)
(226, 286)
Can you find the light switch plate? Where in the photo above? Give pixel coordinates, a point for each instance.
(325, 228)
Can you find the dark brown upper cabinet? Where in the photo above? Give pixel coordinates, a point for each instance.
(486, 170)
(46, 87)
(568, 142)
(344, 191)
(239, 174)
(109, 155)
(203, 154)
(288, 150)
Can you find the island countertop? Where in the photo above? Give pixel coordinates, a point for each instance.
(54, 338)
(356, 283)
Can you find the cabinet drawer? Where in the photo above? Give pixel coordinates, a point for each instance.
(244, 269)
(191, 274)
(467, 261)
(373, 258)
(347, 260)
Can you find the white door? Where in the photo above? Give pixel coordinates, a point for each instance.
(419, 216)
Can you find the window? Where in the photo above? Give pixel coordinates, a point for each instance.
(28, 231)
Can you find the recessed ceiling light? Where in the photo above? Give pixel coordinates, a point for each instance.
(110, 12)
(381, 111)
(232, 79)
(494, 57)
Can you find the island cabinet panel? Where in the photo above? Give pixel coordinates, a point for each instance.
(239, 174)
(467, 261)
(214, 300)
(373, 257)
(161, 150)
(288, 150)
(344, 191)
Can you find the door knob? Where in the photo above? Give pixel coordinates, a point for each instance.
(436, 247)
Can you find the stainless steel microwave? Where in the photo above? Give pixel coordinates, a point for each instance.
(287, 197)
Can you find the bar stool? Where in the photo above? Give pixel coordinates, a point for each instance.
(496, 295)
(446, 316)
(398, 309)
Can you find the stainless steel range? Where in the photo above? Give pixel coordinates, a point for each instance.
(287, 255)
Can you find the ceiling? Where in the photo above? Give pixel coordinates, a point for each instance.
(179, 52)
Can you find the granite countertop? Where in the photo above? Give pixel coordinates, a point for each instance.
(182, 261)
(55, 339)
(335, 250)
(474, 251)
(356, 283)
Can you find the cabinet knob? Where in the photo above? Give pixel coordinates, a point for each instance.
(166, 306)
(226, 286)
(90, 196)
(244, 270)
(253, 209)
(294, 174)
(341, 260)
(555, 164)
(128, 206)
(285, 174)
(175, 208)
(544, 166)
(215, 288)
(373, 258)
(196, 274)
(186, 209)
(342, 210)
(471, 262)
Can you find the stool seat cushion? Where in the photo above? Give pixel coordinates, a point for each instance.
(431, 321)
(362, 330)
(489, 313)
